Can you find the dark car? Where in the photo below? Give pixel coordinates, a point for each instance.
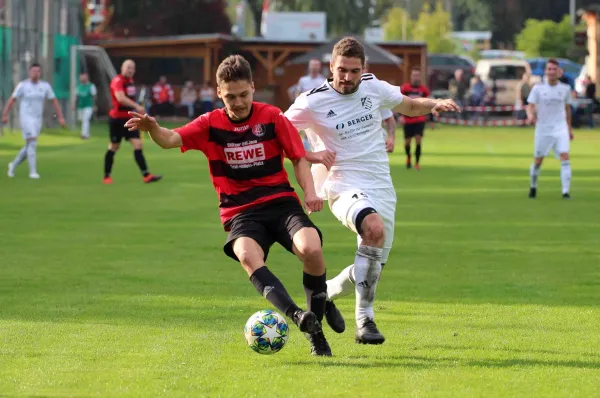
(441, 68)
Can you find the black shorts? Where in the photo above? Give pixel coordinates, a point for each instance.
(413, 129)
(275, 221)
(118, 131)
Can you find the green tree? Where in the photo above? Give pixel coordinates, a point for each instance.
(472, 15)
(393, 27)
(546, 38)
(434, 27)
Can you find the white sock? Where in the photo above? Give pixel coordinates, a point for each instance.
(21, 155)
(342, 284)
(565, 175)
(367, 268)
(31, 154)
(85, 127)
(534, 173)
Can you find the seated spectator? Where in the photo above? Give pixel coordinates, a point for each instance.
(207, 97)
(188, 98)
(163, 98)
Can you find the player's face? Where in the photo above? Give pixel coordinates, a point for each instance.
(415, 78)
(551, 72)
(314, 68)
(83, 78)
(35, 73)
(237, 97)
(128, 69)
(346, 73)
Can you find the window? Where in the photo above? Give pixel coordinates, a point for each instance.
(507, 72)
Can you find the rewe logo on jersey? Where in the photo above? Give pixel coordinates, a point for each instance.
(245, 154)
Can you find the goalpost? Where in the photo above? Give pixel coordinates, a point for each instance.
(94, 61)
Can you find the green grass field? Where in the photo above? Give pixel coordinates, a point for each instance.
(123, 290)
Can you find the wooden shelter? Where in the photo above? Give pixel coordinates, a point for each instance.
(277, 65)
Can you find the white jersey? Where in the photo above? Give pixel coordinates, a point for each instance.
(386, 114)
(350, 126)
(550, 102)
(307, 82)
(32, 98)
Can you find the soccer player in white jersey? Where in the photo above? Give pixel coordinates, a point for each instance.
(550, 109)
(32, 95)
(342, 120)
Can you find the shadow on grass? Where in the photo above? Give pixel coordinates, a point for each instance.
(420, 362)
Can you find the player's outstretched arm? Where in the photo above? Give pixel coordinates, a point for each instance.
(163, 137)
(423, 106)
(7, 108)
(305, 180)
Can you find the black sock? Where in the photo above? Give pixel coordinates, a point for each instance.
(109, 159)
(407, 150)
(315, 288)
(418, 153)
(272, 289)
(141, 161)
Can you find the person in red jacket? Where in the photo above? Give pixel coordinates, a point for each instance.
(414, 127)
(245, 144)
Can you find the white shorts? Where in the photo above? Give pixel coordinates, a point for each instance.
(543, 144)
(30, 128)
(346, 205)
(85, 113)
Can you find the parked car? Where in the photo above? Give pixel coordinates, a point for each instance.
(505, 74)
(571, 68)
(441, 69)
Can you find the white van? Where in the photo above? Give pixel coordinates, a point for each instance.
(507, 73)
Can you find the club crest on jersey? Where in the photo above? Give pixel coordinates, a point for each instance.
(258, 130)
(366, 103)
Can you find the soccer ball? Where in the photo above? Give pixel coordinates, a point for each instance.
(266, 332)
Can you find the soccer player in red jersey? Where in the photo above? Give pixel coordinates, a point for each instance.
(245, 144)
(122, 91)
(414, 127)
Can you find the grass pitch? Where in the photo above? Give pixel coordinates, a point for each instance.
(124, 290)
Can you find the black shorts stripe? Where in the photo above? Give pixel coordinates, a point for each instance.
(223, 137)
(252, 194)
(219, 168)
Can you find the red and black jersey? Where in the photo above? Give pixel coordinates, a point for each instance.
(411, 91)
(245, 157)
(121, 83)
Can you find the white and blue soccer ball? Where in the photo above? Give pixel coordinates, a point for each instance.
(266, 332)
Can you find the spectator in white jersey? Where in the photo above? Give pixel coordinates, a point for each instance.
(549, 108)
(314, 78)
(342, 119)
(32, 95)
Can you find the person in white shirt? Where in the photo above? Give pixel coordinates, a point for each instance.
(314, 78)
(342, 121)
(32, 95)
(549, 107)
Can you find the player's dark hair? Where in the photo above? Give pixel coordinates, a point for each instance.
(552, 61)
(35, 65)
(234, 68)
(349, 47)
